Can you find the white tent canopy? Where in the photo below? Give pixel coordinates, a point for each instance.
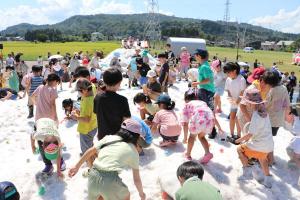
(190, 43)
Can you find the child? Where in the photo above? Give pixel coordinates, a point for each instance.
(7, 93)
(219, 81)
(111, 108)
(258, 138)
(184, 63)
(67, 105)
(153, 87)
(44, 98)
(13, 79)
(132, 69)
(164, 72)
(49, 144)
(8, 191)
(65, 76)
(166, 121)
(101, 87)
(87, 122)
(114, 153)
(146, 107)
(190, 176)
(34, 82)
(197, 118)
(2, 81)
(143, 69)
(58, 70)
(235, 86)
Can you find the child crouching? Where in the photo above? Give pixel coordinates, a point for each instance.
(258, 138)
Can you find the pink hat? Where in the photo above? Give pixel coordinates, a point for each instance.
(256, 74)
(132, 126)
(85, 61)
(215, 64)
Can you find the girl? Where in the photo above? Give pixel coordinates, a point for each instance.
(114, 153)
(184, 63)
(197, 118)
(49, 144)
(87, 122)
(146, 107)
(258, 138)
(166, 121)
(219, 80)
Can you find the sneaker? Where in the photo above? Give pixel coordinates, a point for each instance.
(213, 134)
(268, 181)
(48, 169)
(207, 157)
(246, 174)
(62, 165)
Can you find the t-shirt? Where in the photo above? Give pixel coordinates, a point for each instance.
(4, 92)
(185, 58)
(45, 102)
(36, 81)
(110, 109)
(193, 74)
(155, 87)
(193, 107)
(205, 72)
(146, 131)
(86, 110)
(261, 130)
(295, 144)
(263, 93)
(219, 79)
(195, 189)
(117, 156)
(171, 58)
(235, 86)
(163, 72)
(277, 102)
(133, 66)
(10, 61)
(144, 69)
(168, 121)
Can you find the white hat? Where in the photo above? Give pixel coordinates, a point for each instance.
(183, 49)
(151, 74)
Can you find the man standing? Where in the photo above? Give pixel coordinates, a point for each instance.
(205, 82)
(292, 82)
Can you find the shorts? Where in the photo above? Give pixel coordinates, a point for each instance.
(14, 97)
(143, 80)
(219, 91)
(86, 140)
(131, 75)
(184, 69)
(207, 97)
(253, 154)
(233, 109)
(169, 138)
(275, 130)
(106, 184)
(59, 73)
(201, 122)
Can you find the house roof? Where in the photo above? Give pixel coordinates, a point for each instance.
(287, 43)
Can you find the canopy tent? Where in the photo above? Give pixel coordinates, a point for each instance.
(190, 43)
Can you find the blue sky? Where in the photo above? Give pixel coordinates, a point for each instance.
(283, 15)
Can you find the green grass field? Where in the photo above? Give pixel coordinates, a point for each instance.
(31, 51)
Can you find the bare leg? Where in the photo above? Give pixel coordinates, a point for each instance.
(100, 198)
(204, 142)
(190, 145)
(271, 158)
(185, 132)
(264, 166)
(238, 127)
(143, 113)
(242, 157)
(232, 122)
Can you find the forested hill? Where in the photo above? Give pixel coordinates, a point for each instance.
(125, 25)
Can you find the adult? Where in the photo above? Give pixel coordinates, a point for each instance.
(205, 82)
(10, 60)
(292, 83)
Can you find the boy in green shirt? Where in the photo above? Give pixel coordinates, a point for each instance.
(190, 176)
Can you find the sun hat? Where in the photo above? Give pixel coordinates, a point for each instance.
(151, 74)
(45, 127)
(183, 48)
(256, 74)
(85, 61)
(163, 98)
(51, 151)
(252, 96)
(215, 64)
(8, 191)
(132, 126)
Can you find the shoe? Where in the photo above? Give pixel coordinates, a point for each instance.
(213, 134)
(30, 109)
(246, 174)
(236, 137)
(257, 173)
(48, 169)
(189, 158)
(268, 181)
(218, 110)
(62, 165)
(207, 157)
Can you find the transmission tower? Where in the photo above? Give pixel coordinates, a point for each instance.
(152, 29)
(226, 18)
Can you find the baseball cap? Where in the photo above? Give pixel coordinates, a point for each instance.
(256, 74)
(163, 98)
(8, 191)
(151, 74)
(132, 126)
(201, 52)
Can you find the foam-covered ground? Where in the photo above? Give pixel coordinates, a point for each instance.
(20, 166)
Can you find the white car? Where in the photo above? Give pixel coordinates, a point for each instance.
(248, 49)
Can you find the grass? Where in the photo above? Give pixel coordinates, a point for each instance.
(32, 50)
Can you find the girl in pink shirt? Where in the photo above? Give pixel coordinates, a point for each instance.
(166, 121)
(185, 57)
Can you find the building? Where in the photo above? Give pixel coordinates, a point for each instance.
(96, 36)
(268, 46)
(283, 44)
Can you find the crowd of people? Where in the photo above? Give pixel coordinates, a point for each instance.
(260, 103)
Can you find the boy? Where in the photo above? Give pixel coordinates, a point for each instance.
(143, 70)
(132, 69)
(153, 88)
(170, 56)
(190, 176)
(164, 72)
(292, 83)
(34, 82)
(235, 86)
(111, 108)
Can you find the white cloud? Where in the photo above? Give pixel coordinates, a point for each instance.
(286, 21)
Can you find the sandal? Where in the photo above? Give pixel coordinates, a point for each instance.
(207, 157)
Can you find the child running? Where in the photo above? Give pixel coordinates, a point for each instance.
(87, 121)
(235, 86)
(197, 118)
(258, 138)
(114, 153)
(166, 121)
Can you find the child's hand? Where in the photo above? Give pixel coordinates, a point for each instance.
(33, 149)
(289, 118)
(73, 171)
(143, 196)
(60, 175)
